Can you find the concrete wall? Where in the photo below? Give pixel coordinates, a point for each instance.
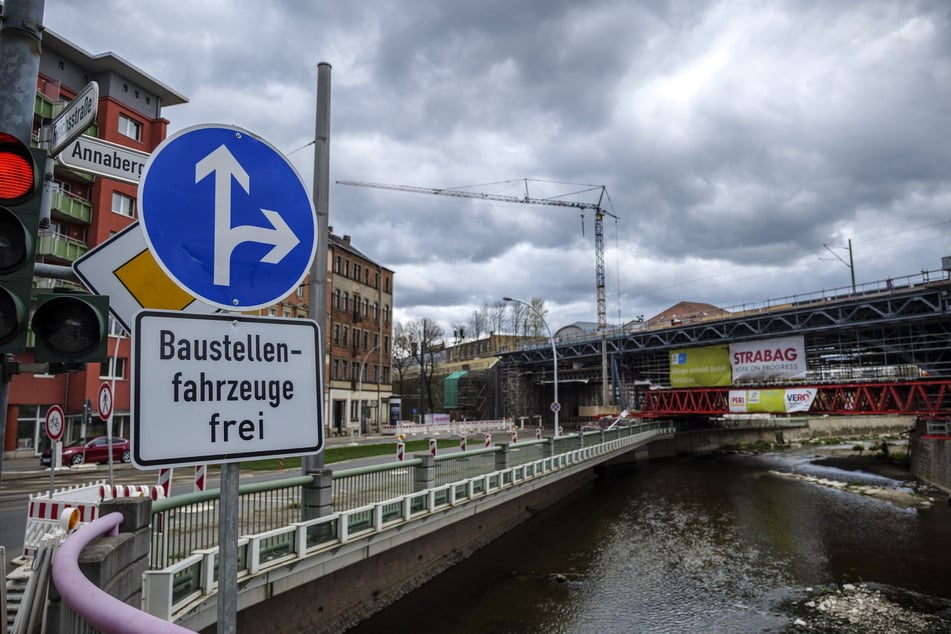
(114, 564)
(931, 458)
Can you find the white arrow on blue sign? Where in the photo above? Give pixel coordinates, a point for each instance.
(227, 216)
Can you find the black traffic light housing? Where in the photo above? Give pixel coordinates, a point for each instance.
(71, 327)
(21, 193)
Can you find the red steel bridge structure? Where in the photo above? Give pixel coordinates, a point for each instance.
(881, 348)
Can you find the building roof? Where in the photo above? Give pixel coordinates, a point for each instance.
(683, 310)
(110, 62)
(345, 244)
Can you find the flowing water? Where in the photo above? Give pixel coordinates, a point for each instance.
(727, 543)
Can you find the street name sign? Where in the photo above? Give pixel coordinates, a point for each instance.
(123, 268)
(94, 156)
(224, 388)
(76, 117)
(227, 217)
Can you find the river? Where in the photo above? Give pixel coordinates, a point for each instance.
(724, 543)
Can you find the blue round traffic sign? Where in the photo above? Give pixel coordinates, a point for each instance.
(227, 217)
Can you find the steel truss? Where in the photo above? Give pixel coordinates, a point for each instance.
(929, 399)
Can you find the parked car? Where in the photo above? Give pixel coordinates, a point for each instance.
(94, 451)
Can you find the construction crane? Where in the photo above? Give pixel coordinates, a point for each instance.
(599, 214)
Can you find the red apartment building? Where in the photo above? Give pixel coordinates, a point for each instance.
(86, 210)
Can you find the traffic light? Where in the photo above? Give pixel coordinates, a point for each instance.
(21, 192)
(70, 327)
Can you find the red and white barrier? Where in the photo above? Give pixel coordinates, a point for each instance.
(488, 440)
(200, 477)
(165, 481)
(462, 443)
(432, 447)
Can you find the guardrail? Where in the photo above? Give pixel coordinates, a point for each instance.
(187, 578)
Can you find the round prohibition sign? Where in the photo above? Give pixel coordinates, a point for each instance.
(105, 402)
(55, 422)
(556, 406)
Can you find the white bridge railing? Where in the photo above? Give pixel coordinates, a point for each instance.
(173, 592)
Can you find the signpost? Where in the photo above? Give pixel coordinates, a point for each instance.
(76, 117)
(105, 402)
(95, 156)
(229, 220)
(227, 217)
(224, 388)
(55, 424)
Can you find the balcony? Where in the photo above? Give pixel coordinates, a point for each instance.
(46, 108)
(70, 207)
(58, 247)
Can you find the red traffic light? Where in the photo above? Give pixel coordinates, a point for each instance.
(18, 174)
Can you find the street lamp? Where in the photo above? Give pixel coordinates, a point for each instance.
(360, 390)
(555, 406)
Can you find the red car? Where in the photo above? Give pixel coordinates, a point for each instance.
(95, 451)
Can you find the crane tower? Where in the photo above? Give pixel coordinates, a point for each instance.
(599, 214)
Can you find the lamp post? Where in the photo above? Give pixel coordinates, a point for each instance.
(555, 406)
(360, 390)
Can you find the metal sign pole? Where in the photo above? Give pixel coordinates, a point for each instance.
(228, 550)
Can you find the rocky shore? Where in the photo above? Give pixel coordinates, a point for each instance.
(868, 609)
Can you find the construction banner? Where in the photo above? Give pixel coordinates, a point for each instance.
(769, 359)
(771, 401)
(708, 366)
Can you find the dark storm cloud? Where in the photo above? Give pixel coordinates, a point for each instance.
(735, 138)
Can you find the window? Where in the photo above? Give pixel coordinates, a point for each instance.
(337, 334)
(345, 331)
(386, 314)
(337, 264)
(343, 370)
(346, 301)
(113, 369)
(376, 311)
(386, 344)
(376, 280)
(122, 204)
(130, 128)
(300, 291)
(115, 328)
(365, 339)
(356, 271)
(336, 373)
(366, 308)
(346, 268)
(337, 298)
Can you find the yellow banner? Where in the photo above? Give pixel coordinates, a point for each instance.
(708, 366)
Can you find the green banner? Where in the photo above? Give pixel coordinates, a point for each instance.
(708, 366)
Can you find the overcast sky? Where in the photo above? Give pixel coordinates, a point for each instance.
(734, 139)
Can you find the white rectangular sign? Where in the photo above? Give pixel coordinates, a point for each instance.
(95, 156)
(767, 359)
(224, 388)
(76, 117)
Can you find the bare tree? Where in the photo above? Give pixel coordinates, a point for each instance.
(497, 316)
(402, 350)
(478, 322)
(425, 338)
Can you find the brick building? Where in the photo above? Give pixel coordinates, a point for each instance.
(85, 210)
(359, 338)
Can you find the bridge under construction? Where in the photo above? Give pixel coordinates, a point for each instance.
(883, 348)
